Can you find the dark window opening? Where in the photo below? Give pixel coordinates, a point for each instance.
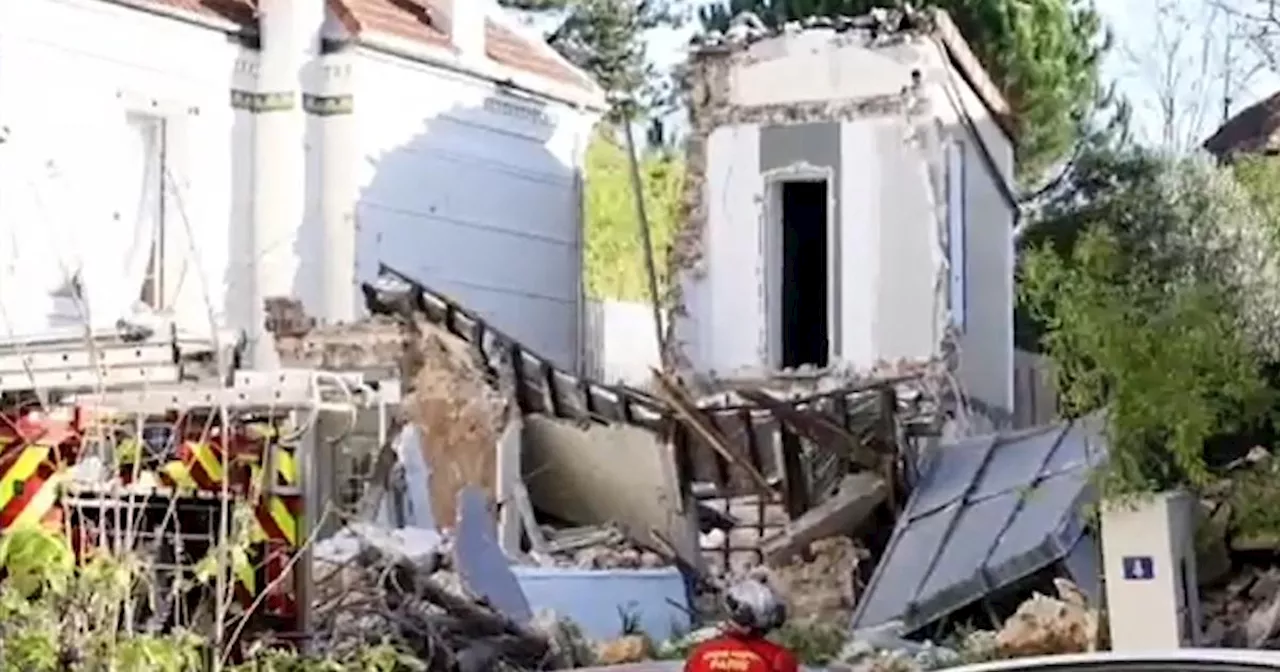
(804, 315)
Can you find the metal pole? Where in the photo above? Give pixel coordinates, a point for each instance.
(646, 239)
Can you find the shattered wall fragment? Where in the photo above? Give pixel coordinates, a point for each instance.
(447, 394)
(762, 115)
(607, 474)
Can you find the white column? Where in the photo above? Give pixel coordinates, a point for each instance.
(290, 33)
(333, 104)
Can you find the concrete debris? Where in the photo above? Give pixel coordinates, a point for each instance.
(385, 592)
(460, 414)
(822, 585)
(481, 562)
(448, 395)
(1042, 625)
(1245, 612)
(610, 475)
(625, 649)
(846, 511)
(604, 547)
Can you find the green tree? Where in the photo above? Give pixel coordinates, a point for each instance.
(1155, 288)
(606, 39)
(1260, 177)
(1043, 54)
(615, 267)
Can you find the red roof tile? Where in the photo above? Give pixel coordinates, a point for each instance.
(408, 19)
(425, 21)
(236, 11)
(505, 46)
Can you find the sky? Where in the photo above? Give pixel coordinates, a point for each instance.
(1194, 36)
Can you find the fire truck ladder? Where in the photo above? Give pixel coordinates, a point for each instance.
(300, 393)
(108, 359)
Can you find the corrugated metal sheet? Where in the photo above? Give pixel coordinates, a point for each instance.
(987, 512)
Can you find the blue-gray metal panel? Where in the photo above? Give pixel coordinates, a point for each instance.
(484, 568)
(903, 568)
(973, 545)
(1035, 537)
(949, 475)
(1084, 565)
(957, 577)
(1014, 464)
(1079, 448)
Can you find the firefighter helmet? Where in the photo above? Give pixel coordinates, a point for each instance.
(753, 605)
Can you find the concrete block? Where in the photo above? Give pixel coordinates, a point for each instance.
(858, 495)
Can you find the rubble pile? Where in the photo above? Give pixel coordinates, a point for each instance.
(820, 586)
(1245, 612)
(376, 587)
(595, 547)
(460, 413)
(1042, 625)
(448, 394)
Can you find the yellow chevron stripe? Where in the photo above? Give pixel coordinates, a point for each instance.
(40, 505)
(128, 451)
(209, 460)
(23, 468)
(180, 474)
(287, 466)
(284, 518)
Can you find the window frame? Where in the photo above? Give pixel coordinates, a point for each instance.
(956, 250)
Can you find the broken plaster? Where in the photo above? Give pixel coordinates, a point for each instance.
(710, 108)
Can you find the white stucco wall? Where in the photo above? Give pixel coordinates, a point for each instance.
(474, 192)
(70, 71)
(891, 187)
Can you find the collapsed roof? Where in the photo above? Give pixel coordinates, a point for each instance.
(988, 512)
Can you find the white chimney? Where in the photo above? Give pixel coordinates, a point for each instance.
(467, 27)
(290, 38)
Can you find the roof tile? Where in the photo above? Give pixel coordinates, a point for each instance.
(236, 11)
(422, 21)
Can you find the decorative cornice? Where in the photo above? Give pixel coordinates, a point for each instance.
(256, 102)
(509, 107)
(328, 106)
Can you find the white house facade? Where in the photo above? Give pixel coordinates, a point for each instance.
(200, 156)
(852, 205)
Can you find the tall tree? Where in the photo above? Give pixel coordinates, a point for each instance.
(1043, 54)
(606, 38)
(1160, 306)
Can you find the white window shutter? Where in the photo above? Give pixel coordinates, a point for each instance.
(956, 225)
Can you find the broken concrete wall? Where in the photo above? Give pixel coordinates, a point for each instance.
(608, 474)
(761, 116)
(621, 343)
(447, 394)
(886, 101)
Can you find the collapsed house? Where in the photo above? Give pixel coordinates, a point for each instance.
(856, 174)
(765, 443)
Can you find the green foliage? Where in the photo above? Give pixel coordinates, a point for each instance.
(615, 266)
(606, 39)
(1044, 55)
(1255, 501)
(1260, 178)
(56, 616)
(1169, 366)
(813, 642)
(1153, 282)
